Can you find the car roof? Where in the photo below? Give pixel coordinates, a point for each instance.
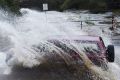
(75, 37)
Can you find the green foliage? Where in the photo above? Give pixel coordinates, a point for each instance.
(94, 5)
(66, 4)
(55, 4)
(2, 3)
(11, 5)
(98, 6)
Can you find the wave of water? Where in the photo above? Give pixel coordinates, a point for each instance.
(19, 35)
(29, 30)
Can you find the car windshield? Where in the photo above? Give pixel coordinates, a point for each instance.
(88, 46)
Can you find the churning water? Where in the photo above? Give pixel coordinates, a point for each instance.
(23, 43)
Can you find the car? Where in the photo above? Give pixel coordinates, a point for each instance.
(60, 48)
(92, 46)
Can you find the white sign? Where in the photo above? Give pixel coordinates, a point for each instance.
(45, 7)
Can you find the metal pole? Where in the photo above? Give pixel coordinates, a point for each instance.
(112, 21)
(46, 17)
(81, 24)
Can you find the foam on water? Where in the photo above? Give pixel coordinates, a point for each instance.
(2, 59)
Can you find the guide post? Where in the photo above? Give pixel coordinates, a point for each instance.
(45, 8)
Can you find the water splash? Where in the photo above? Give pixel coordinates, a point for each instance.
(31, 30)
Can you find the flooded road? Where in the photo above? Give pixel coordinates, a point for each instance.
(59, 72)
(46, 72)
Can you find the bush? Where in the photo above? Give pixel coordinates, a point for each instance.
(98, 6)
(10, 5)
(93, 5)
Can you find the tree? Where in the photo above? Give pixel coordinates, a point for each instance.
(94, 5)
(10, 5)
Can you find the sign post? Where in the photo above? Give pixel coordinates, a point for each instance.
(45, 8)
